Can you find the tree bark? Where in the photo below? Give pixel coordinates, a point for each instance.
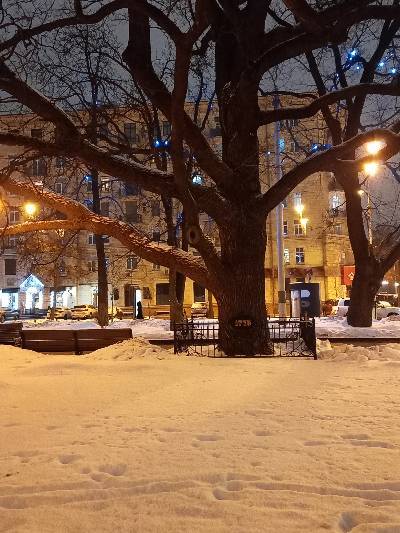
(240, 295)
(367, 281)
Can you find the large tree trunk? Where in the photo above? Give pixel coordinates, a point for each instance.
(367, 281)
(176, 296)
(241, 294)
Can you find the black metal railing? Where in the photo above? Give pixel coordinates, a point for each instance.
(289, 337)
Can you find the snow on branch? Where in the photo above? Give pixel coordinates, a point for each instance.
(80, 217)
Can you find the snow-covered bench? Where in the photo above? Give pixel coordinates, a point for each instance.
(76, 341)
(10, 333)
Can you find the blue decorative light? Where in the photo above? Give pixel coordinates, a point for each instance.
(197, 179)
(393, 70)
(281, 145)
(166, 142)
(88, 177)
(381, 64)
(156, 143)
(353, 53)
(314, 147)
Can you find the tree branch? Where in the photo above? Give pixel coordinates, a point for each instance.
(79, 217)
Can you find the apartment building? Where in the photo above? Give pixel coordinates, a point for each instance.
(36, 269)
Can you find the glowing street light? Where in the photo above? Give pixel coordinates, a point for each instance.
(373, 147)
(30, 209)
(299, 209)
(371, 168)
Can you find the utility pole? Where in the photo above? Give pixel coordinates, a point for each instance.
(279, 219)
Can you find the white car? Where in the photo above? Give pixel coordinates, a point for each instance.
(60, 312)
(199, 309)
(383, 309)
(84, 311)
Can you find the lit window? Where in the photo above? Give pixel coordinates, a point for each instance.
(300, 256)
(335, 201)
(285, 228)
(298, 228)
(286, 255)
(105, 185)
(156, 267)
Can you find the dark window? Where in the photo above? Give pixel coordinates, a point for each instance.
(60, 162)
(131, 212)
(156, 235)
(14, 216)
(285, 227)
(131, 262)
(155, 208)
(10, 267)
(166, 128)
(105, 209)
(39, 167)
(130, 132)
(162, 293)
(131, 189)
(199, 293)
(59, 187)
(36, 133)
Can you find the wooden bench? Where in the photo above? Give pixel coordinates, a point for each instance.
(125, 312)
(76, 341)
(10, 333)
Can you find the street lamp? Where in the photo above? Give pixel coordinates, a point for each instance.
(30, 209)
(373, 147)
(371, 168)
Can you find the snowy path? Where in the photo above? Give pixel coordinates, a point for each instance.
(167, 444)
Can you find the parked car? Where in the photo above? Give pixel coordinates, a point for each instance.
(383, 309)
(60, 312)
(84, 311)
(199, 309)
(8, 314)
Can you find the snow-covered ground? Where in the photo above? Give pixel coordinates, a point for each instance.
(333, 326)
(134, 439)
(156, 328)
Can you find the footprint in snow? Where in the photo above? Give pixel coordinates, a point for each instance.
(208, 438)
(113, 470)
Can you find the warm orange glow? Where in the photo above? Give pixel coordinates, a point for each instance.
(371, 168)
(373, 147)
(30, 209)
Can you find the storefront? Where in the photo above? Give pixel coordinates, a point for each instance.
(9, 298)
(33, 289)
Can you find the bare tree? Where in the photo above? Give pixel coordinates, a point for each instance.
(246, 39)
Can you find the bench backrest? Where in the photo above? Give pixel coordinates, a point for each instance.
(51, 340)
(10, 333)
(77, 341)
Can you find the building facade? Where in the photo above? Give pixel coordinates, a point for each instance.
(37, 270)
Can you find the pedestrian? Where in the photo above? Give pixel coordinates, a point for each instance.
(139, 311)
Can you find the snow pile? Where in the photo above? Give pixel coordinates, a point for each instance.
(130, 349)
(348, 352)
(337, 327)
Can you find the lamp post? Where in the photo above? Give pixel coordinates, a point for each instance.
(279, 220)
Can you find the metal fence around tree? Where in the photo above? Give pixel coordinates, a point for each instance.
(289, 337)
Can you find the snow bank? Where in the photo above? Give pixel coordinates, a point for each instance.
(338, 327)
(348, 352)
(131, 349)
